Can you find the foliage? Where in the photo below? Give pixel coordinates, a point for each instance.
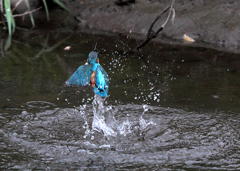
(9, 17)
(60, 3)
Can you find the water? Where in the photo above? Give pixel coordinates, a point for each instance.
(176, 109)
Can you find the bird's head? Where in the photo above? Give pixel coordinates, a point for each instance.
(93, 57)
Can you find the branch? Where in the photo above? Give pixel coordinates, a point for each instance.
(27, 12)
(47, 49)
(151, 33)
(1, 6)
(16, 5)
(156, 19)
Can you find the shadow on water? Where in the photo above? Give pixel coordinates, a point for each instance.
(176, 109)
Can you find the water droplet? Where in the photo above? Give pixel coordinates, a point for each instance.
(145, 108)
(24, 112)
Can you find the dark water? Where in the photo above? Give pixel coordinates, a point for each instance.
(170, 107)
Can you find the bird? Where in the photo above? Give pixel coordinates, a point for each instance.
(91, 73)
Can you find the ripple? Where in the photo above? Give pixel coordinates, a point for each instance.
(39, 105)
(152, 138)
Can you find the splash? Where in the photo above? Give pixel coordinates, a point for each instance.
(105, 122)
(85, 125)
(99, 121)
(142, 122)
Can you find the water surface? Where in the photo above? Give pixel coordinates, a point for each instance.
(170, 107)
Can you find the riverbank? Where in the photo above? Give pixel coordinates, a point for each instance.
(213, 24)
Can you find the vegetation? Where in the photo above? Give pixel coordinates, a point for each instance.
(8, 17)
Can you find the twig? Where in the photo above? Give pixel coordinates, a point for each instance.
(45, 49)
(151, 33)
(17, 4)
(1, 7)
(156, 19)
(27, 12)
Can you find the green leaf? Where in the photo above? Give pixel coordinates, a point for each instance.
(46, 8)
(30, 14)
(59, 2)
(8, 43)
(9, 17)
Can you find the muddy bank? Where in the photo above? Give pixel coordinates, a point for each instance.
(211, 23)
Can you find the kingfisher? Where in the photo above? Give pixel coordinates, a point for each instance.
(91, 73)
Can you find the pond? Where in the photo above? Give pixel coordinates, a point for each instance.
(170, 107)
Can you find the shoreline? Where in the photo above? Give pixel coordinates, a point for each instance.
(209, 28)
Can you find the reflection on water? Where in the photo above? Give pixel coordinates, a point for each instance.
(176, 109)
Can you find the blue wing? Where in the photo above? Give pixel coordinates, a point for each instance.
(81, 77)
(102, 82)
